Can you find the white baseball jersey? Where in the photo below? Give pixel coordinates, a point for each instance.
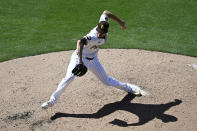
(93, 42)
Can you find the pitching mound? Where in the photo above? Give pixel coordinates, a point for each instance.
(87, 104)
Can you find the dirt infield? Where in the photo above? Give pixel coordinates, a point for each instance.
(88, 105)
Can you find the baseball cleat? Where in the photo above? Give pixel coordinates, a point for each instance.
(138, 94)
(141, 93)
(144, 93)
(136, 90)
(47, 104)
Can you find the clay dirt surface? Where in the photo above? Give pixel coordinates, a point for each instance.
(89, 105)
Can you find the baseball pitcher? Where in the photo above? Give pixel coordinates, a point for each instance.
(85, 58)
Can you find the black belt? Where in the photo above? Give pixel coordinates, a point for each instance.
(89, 58)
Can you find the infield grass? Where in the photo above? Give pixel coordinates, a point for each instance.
(41, 26)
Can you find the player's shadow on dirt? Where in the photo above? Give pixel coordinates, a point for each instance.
(145, 112)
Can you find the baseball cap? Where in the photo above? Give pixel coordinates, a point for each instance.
(103, 27)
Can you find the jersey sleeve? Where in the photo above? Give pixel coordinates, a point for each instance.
(103, 17)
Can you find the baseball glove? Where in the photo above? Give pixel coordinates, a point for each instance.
(79, 70)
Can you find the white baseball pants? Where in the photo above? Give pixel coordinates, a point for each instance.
(95, 67)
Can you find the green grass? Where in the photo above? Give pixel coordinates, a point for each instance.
(42, 26)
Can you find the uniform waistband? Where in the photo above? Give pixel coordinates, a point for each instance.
(84, 56)
(88, 58)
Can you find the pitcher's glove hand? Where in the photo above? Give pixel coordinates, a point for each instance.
(79, 70)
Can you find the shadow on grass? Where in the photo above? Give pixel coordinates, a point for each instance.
(145, 112)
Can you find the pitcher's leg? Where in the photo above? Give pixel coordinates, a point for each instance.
(99, 71)
(63, 84)
(67, 80)
(61, 88)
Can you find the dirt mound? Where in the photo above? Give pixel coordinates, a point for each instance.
(87, 104)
